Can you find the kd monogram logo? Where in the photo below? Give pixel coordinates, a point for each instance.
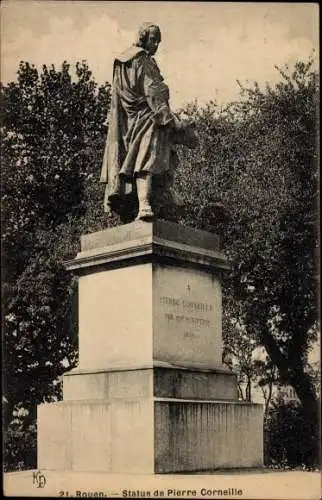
(39, 479)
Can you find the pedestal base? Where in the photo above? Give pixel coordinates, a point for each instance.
(150, 394)
(149, 435)
(164, 381)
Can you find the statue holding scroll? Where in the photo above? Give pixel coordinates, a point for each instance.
(142, 130)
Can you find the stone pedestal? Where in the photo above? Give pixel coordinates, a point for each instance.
(150, 393)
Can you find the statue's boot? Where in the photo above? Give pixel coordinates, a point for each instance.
(118, 192)
(144, 190)
(107, 204)
(114, 198)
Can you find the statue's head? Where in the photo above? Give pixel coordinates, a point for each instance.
(149, 37)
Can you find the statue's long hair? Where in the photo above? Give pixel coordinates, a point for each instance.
(143, 34)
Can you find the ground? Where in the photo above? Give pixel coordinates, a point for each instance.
(258, 484)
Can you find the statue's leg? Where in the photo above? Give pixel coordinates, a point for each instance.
(114, 197)
(107, 204)
(144, 190)
(118, 190)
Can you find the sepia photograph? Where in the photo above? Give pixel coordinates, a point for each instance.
(160, 249)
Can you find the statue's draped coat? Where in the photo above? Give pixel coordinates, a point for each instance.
(140, 120)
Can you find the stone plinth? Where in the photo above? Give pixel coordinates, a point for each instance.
(158, 381)
(149, 435)
(148, 293)
(150, 393)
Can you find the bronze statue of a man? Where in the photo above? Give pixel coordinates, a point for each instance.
(141, 127)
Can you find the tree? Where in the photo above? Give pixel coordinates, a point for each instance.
(52, 137)
(288, 435)
(258, 157)
(243, 355)
(248, 359)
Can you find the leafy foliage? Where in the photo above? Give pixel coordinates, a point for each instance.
(289, 437)
(52, 138)
(20, 444)
(258, 158)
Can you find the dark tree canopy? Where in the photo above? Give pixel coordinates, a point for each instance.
(258, 157)
(52, 134)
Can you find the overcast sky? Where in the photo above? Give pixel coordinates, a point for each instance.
(205, 47)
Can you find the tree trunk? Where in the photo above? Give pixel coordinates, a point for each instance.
(267, 397)
(249, 389)
(296, 376)
(240, 390)
(307, 396)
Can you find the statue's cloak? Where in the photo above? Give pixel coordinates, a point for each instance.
(140, 120)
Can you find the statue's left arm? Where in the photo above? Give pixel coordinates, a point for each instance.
(156, 92)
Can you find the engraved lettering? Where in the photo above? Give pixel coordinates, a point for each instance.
(170, 301)
(187, 308)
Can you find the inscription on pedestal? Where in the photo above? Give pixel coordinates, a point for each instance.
(181, 313)
(187, 305)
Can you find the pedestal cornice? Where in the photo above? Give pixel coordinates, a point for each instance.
(145, 242)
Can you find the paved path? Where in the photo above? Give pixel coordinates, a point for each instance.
(263, 484)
